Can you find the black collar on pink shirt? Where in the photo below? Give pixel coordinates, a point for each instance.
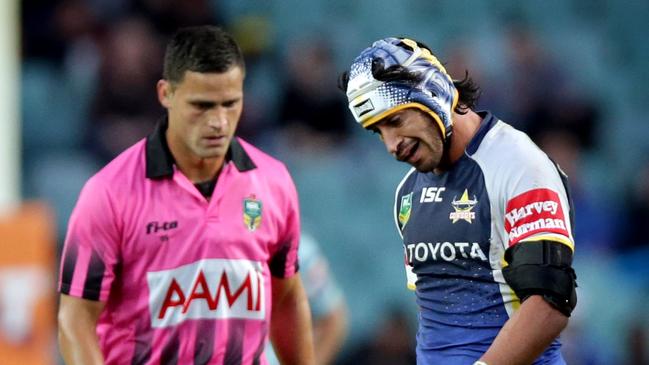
(160, 161)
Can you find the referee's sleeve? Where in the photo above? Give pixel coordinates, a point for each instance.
(284, 260)
(90, 250)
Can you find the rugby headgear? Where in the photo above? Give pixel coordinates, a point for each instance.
(425, 85)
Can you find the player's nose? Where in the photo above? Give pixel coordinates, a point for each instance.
(218, 120)
(391, 141)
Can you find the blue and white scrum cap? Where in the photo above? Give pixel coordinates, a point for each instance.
(426, 85)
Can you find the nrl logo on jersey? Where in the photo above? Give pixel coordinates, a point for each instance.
(463, 208)
(252, 212)
(404, 210)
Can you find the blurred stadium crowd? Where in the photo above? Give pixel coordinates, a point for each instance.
(570, 73)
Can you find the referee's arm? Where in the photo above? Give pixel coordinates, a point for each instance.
(77, 320)
(290, 323)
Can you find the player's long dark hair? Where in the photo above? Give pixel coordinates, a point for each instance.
(469, 93)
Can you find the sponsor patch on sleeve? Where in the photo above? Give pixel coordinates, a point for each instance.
(533, 212)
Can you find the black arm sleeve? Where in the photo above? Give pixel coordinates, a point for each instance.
(542, 268)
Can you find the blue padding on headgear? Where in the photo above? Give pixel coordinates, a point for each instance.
(371, 100)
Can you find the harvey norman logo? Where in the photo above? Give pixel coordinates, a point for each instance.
(532, 212)
(206, 289)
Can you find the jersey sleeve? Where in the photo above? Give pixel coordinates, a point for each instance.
(402, 205)
(537, 204)
(90, 253)
(284, 259)
(411, 277)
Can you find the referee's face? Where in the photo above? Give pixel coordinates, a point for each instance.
(204, 110)
(413, 137)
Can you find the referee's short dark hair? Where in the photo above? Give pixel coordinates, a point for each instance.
(200, 49)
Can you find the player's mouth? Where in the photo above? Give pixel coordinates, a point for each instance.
(406, 153)
(214, 140)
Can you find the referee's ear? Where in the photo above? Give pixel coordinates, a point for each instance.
(163, 88)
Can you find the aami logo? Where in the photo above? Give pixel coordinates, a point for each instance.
(155, 227)
(535, 211)
(211, 288)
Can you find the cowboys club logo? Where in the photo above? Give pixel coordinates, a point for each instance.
(463, 208)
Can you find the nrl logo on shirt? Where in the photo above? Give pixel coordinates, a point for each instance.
(463, 208)
(252, 212)
(404, 211)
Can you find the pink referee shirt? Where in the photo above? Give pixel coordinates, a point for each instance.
(185, 280)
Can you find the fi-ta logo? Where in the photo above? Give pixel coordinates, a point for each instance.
(155, 227)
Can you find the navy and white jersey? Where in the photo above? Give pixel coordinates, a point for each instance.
(456, 227)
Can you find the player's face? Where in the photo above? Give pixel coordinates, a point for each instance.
(204, 110)
(413, 137)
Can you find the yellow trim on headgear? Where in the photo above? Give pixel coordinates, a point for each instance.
(456, 99)
(428, 56)
(425, 54)
(397, 108)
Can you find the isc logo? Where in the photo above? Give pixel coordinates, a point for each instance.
(431, 194)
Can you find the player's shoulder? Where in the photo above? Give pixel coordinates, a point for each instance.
(503, 147)
(269, 166)
(102, 190)
(122, 170)
(407, 183)
(512, 163)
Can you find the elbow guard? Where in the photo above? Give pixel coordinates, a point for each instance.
(542, 268)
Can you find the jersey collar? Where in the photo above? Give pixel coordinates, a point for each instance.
(488, 121)
(160, 161)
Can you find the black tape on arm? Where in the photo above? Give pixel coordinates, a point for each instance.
(542, 268)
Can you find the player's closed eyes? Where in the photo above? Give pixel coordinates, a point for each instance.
(394, 121)
(230, 103)
(203, 105)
